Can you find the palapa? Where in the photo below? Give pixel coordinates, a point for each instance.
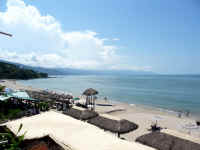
(117, 126)
(80, 113)
(90, 92)
(163, 141)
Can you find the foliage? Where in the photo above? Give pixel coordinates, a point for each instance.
(8, 112)
(12, 113)
(2, 88)
(44, 106)
(11, 71)
(11, 142)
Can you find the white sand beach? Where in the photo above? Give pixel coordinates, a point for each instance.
(145, 117)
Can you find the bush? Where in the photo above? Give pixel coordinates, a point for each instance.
(44, 106)
(11, 142)
(13, 113)
(2, 88)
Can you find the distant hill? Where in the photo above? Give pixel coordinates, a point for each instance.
(12, 71)
(72, 71)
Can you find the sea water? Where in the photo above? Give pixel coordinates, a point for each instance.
(171, 92)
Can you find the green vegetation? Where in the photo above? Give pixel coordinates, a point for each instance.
(44, 106)
(2, 88)
(10, 111)
(7, 113)
(8, 141)
(10, 71)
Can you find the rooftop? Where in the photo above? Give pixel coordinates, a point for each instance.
(75, 133)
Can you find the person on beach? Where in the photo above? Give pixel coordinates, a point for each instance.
(105, 98)
(187, 113)
(179, 114)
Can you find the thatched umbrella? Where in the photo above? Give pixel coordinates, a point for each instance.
(163, 141)
(80, 113)
(68, 96)
(90, 93)
(114, 125)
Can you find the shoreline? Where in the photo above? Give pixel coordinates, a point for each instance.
(160, 103)
(21, 86)
(142, 115)
(160, 110)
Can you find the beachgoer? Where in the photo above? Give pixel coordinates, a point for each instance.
(105, 98)
(179, 114)
(187, 113)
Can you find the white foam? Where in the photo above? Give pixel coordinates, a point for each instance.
(132, 105)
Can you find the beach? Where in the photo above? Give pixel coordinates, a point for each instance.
(141, 115)
(145, 117)
(167, 92)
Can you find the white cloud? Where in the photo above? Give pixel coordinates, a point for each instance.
(40, 41)
(115, 39)
(128, 67)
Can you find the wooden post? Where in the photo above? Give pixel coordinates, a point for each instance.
(94, 104)
(118, 134)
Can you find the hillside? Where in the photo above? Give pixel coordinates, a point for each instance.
(11, 71)
(74, 71)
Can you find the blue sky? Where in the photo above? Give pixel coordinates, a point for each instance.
(159, 36)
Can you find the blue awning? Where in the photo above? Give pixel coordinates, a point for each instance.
(22, 95)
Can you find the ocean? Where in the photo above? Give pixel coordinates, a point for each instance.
(167, 92)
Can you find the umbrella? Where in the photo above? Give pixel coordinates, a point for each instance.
(76, 98)
(162, 141)
(90, 93)
(113, 125)
(69, 96)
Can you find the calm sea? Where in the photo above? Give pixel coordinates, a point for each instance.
(171, 92)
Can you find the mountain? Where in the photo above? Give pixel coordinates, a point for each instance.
(12, 71)
(72, 71)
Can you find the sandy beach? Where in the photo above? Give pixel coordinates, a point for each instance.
(141, 115)
(146, 117)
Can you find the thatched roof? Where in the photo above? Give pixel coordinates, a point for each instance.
(48, 96)
(63, 100)
(117, 126)
(162, 141)
(90, 92)
(68, 96)
(80, 113)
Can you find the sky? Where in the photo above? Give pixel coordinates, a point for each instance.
(144, 35)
